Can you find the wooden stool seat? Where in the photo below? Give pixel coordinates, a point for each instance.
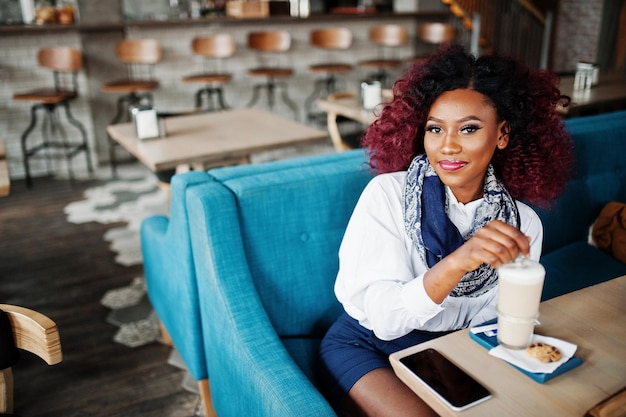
(45, 96)
(334, 41)
(65, 63)
(208, 78)
(382, 63)
(127, 86)
(270, 72)
(333, 68)
(214, 51)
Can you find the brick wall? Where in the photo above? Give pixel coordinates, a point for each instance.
(577, 32)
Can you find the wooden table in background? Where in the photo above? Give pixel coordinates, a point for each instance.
(608, 95)
(593, 318)
(213, 139)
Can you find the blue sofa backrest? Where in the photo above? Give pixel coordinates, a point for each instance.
(292, 221)
(599, 177)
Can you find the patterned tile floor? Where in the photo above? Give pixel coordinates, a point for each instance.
(128, 199)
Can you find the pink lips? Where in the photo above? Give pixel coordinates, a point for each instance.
(452, 165)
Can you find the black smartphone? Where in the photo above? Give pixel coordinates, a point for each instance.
(450, 383)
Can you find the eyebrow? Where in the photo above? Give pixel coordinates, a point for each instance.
(462, 120)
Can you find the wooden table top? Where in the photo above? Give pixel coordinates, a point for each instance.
(209, 138)
(610, 89)
(593, 318)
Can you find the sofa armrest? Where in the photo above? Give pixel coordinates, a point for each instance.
(170, 275)
(251, 371)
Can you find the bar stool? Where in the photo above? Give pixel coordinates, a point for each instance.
(333, 41)
(387, 39)
(433, 34)
(213, 50)
(65, 63)
(268, 46)
(140, 57)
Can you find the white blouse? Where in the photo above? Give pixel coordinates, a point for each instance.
(380, 278)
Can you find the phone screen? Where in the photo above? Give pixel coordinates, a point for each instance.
(445, 379)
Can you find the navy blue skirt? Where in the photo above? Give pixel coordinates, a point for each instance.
(349, 351)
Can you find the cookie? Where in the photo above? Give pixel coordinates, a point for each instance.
(544, 352)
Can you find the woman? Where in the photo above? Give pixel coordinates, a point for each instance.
(461, 143)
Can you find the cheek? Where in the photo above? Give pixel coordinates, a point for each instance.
(430, 144)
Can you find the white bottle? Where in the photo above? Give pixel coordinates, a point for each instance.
(28, 11)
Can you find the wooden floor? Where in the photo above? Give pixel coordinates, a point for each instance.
(62, 270)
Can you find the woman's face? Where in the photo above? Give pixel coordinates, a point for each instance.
(461, 135)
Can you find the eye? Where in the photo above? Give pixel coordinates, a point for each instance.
(468, 129)
(433, 129)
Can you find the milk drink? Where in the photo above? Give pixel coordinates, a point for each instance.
(520, 284)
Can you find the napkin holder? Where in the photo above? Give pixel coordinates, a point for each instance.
(146, 121)
(491, 342)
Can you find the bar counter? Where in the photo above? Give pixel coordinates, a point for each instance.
(95, 109)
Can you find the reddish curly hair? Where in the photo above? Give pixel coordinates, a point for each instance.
(536, 164)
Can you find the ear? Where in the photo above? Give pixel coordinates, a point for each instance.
(503, 139)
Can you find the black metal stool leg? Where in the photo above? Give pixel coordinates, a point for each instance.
(198, 98)
(25, 151)
(220, 98)
(210, 99)
(83, 131)
(317, 93)
(64, 144)
(255, 95)
(124, 103)
(288, 101)
(48, 131)
(121, 108)
(322, 88)
(270, 87)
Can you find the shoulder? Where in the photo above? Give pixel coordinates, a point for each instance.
(526, 213)
(384, 190)
(391, 180)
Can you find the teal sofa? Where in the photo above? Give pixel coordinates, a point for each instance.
(599, 177)
(261, 241)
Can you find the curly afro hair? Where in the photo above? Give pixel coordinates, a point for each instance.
(536, 164)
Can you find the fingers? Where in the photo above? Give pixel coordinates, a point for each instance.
(498, 243)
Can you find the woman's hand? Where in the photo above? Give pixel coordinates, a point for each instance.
(495, 244)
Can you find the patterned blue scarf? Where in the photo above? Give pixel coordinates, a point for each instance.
(435, 236)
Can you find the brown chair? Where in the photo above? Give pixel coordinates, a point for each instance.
(432, 35)
(213, 50)
(140, 57)
(22, 328)
(268, 46)
(387, 39)
(334, 41)
(65, 64)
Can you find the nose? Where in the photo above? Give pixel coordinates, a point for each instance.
(450, 144)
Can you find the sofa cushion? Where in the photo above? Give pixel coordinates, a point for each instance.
(577, 266)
